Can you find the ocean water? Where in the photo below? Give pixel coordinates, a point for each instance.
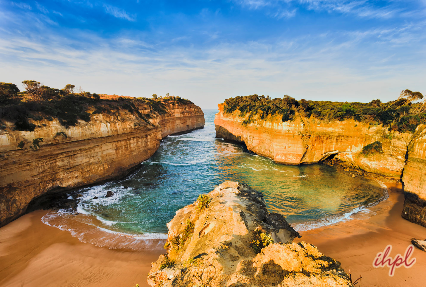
(188, 165)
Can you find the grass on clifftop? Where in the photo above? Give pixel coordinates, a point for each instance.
(40, 102)
(401, 115)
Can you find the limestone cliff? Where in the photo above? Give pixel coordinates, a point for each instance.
(52, 157)
(228, 238)
(310, 140)
(414, 179)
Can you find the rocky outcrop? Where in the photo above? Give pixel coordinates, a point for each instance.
(309, 140)
(53, 157)
(414, 179)
(228, 238)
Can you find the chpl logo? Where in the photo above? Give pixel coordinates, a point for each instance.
(383, 260)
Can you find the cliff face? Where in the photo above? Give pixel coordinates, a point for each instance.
(414, 179)
(305, 141)
(105, 147)
(228, 238)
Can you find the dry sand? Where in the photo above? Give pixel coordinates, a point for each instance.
(34, 254)
(356, 243)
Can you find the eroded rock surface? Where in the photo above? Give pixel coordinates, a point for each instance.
(304, 141)
(228, 238)
(105, 147)
(414, 179)
(311, 140)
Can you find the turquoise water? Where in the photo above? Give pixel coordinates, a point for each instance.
(190, 164)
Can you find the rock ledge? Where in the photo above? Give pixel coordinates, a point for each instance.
(228, 238)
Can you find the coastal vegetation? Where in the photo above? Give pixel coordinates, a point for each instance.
(375, 147)
(179, 240)
(261, 239)
(38, 102)
(403, 114)
(203, 201)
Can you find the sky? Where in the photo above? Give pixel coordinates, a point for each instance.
(207, 51)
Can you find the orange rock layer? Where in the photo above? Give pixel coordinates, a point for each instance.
(311, 140)
(106, 147)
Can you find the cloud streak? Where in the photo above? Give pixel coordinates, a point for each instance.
(209, 56)
(118, 13)
(297, 68)
(360, 8)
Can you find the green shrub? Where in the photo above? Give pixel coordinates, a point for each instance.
(179, 240)
(260, 240)
(167, 263)
(36, 143)
(375, 147)
(203, 201)
(21, 144)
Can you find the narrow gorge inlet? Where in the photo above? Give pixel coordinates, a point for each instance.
(131, 213)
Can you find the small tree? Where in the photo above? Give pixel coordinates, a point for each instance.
(33, 88)
(69, 89)
(154, 96)
(410, 96)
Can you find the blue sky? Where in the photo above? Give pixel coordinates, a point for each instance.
(208, 51)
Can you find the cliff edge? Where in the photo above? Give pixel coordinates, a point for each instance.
(389, 142)
(414, 179)
(54, 154)
(228, 238)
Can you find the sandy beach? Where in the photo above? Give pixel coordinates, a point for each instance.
(356, 243)
(34, 254)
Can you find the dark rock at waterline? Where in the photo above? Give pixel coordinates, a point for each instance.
(109, 193)
(54, 201)
(95, 197)
(420, 244)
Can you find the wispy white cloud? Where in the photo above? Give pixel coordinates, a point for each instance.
(360, 8)
(41, 8)
(118, 13)
(333, 64)
(21, 5)
(313, 67)
(284, 13)
(255, 4)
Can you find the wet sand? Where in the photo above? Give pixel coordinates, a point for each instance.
(356, 243)
(34, 254)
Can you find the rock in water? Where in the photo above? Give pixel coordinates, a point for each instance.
(228, 238)
(109, 193)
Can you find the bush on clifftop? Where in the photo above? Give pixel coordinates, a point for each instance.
(400, 115)
(39, 102)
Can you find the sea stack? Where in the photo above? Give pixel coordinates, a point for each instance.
(228, 238)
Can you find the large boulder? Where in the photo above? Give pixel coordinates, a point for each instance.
(228, 238)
